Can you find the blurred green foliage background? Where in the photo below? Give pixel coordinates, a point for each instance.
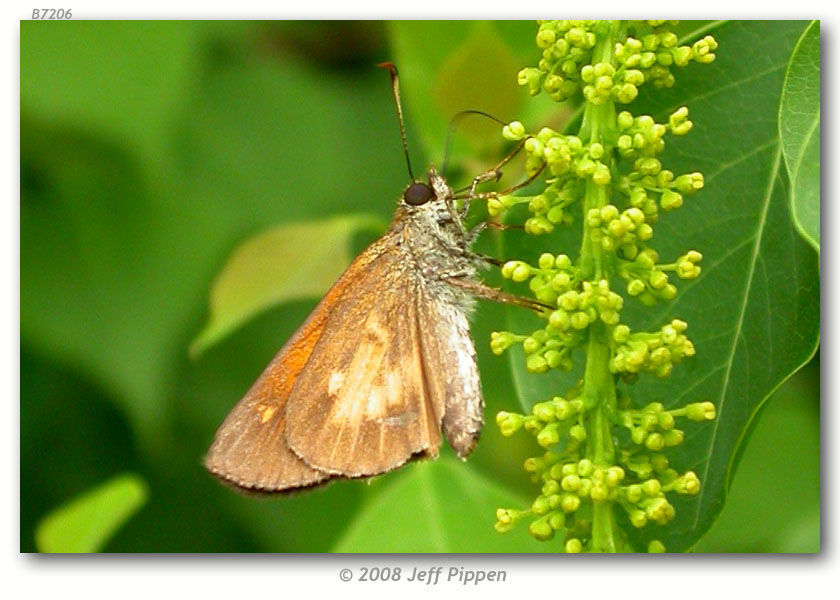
(149, 151)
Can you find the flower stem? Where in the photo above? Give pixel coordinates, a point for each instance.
(599, 386)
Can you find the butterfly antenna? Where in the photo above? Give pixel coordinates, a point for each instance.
(395, 88)
(453, 125)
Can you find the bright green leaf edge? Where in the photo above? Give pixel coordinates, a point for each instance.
(803, 148)
(86, 523)
(286, 263)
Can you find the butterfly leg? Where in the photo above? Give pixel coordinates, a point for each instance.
(480, 290)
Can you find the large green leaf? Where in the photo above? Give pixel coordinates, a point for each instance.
(86, 523)
(799, 127)
(440, 506)
(753, 314)
(289, 262)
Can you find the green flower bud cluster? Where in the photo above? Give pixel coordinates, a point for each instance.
(655, 353)
(599, 449)
(566, 65)
(566, 46)
(653, 55)
(648, 280)
(571, 484)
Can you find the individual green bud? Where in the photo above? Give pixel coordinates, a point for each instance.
(548, 436)
(626, 93)
(495, 207)
(534, 465)
(657, 279)
(669, 292)
(540, 506)
(601, 174)
(682, 55)
(545, 38)
(546, 260)
(599, 492)
(621, 333)
(570, 483)
(670, 200)
(701, 50)
(554, 358)
(563, 262)
(700, 411)
(573, 546)
(560, 319)
(577, 433)
(656, 547)
(660, 511)
(570, 502)
(665, 420)
(615, 474)
(544, 411)
(538, 226)
(687, 484)
(638, 518)
(541, 530)
(535, 363)
(532, 78)
(673, 437)
(501, 341)
(549, 488)
(557, 520)
(557, 215)
(514, 131)
(689, 183)
(509, 423)
(635, 287)
(652, 488)
(532, 344)
(561, 281)
(634, 493)
(624, 120)
(655, 442)
(659, 462)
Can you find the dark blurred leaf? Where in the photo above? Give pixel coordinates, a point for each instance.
(290, 262)
(86, 523)
(71, 437)
(122, 80)
(799, 126)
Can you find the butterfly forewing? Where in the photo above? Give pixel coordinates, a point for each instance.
(250, 448)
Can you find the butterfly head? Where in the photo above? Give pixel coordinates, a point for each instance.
(420, 193)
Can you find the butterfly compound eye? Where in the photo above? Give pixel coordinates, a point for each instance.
(418, 193)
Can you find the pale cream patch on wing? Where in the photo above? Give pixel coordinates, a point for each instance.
(265, 412)
(335, 384)
(354, 395)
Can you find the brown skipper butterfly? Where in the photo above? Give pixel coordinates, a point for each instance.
(383, 368)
